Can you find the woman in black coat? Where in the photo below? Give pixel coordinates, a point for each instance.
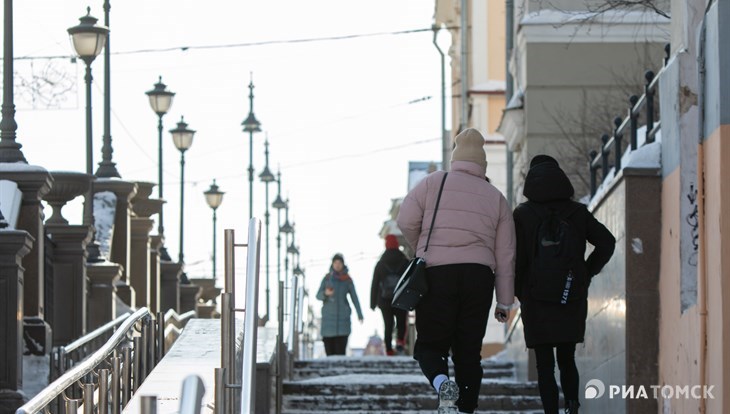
(391, 264)
(549, 323)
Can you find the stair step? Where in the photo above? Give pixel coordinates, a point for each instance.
(370, 385)
(398, 362)
(307, 373)
(391, 403)
(394, 385)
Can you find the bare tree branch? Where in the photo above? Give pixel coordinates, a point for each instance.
(610, 5)
(48, 85)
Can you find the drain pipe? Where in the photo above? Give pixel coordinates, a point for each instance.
(464, 69)
(509, 13)
(445, 144)
(701, 207)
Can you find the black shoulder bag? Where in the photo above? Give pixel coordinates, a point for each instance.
(412, 285)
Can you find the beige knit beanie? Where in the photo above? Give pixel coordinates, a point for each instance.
(470, 147)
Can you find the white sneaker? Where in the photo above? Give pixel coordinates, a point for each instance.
(448, 394)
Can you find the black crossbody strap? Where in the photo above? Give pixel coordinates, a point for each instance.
(435, 210)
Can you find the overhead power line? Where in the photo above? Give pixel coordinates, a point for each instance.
(245, 44)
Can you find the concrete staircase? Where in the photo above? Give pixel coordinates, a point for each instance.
(394, 385)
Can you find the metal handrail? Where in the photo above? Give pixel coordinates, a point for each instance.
(182, 318)
(62, 357)
(299, 321)
(248, 368)
(292, 314)
(68, 379)
(225, 376)
(96, 333)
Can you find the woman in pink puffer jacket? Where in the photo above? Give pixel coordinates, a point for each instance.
(472, 250)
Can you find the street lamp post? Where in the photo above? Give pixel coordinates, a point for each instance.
(160, 101)
(298, 271)
(182, 137)
(267, 177)
(9, 147)
(293, 250)
(287, 229)
(278, 204)
(214, 198)
(88, 40)
(107, 168)
(250, 125)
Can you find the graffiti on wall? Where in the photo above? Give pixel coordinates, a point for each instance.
(692, 221)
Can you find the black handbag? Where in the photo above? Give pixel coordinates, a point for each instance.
(412, 285)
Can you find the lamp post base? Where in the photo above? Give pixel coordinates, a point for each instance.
(94, 253)
(164, 255)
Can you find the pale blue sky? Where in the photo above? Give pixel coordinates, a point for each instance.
(329, 108)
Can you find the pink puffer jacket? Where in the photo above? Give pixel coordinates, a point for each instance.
(473, 224)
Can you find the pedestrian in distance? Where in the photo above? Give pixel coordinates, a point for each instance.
(471, 249)
(553, 275)
(336, 312)
(385, 278)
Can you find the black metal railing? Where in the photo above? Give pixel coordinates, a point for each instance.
(612, 147)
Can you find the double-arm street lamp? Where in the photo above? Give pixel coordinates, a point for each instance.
(278, 204)
(250, 125)
(88, 39)
(182, 137)
(160, 101)
(214, 198)
(287, 229)
(267, 177)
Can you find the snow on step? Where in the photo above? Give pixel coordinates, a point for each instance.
(332, 366)
(390, 403)
(386, 384)
(394, 385)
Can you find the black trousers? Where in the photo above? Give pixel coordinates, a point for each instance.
(335, 345)
(453, 315)
(546, 375)
(400, 316)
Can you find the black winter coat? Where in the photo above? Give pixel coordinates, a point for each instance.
(549, 323)
(394, 260)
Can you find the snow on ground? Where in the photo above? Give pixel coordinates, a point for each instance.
(20, 167)
(105, 206)
(385, 379)
(35, 374)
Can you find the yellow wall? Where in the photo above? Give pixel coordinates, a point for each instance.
(495, 106)
(678, 334)
(497, 41)
(717, 200)
(680, 341)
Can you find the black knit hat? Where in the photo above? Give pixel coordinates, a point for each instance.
(338, 256)
(539, 159)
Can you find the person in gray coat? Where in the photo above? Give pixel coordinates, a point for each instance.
(336, 311)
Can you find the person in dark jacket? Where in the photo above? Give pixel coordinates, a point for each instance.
(391, 264)
(336, 311)
(551, 325)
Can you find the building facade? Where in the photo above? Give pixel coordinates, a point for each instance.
(565, 58)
